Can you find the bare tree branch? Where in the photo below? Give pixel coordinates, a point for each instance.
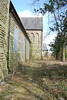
(47, 35)
(56, 21)
(59, 18)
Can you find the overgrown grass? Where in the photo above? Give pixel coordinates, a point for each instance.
(37, 80)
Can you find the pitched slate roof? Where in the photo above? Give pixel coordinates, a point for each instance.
(32, 22)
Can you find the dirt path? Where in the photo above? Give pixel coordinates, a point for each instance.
(37, 80)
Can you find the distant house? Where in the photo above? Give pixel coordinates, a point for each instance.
(44, 50)
(34, 29)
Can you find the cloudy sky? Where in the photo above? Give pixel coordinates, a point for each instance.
(25, 8)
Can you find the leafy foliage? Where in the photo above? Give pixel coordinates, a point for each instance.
(56, 9)
(57, 46)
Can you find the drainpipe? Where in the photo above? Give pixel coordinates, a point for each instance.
(25, 50)
(8, 44)
(41, 38)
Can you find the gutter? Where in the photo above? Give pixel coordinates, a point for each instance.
(8, 44)
(41, 38)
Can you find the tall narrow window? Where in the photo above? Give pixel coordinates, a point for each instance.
(32, 37)
(15, 48)
(26, 46)
(23, 45)
(37, 37)
(26, 49)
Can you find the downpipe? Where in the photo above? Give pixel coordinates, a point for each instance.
(8, 44)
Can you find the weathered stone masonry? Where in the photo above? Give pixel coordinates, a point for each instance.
(22, 54)
(23, 40)
(16, 43)
(34, 29)
(4, 19)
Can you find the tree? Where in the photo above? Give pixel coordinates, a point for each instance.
(56, 47)
(56, 8)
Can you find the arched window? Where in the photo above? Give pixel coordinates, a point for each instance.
(32, 37)
(15, 46)
(37, 37)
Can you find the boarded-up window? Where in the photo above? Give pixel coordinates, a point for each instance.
(23, 41)
(26, 46)
(15, 49)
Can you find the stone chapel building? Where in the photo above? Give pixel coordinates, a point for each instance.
(20, 39)
(34, 29)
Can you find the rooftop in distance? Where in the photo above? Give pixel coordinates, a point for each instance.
(32, 22)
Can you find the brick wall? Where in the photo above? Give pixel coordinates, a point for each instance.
(4, 20)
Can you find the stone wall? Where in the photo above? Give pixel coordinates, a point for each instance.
(36, 45)
(23, 51)
(22, 54)
(4, 20)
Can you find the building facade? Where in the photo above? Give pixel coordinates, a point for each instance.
(34, 29)
(14, 41)
(4, 20)
(17, 44)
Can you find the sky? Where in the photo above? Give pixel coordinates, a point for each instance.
(25, 8)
